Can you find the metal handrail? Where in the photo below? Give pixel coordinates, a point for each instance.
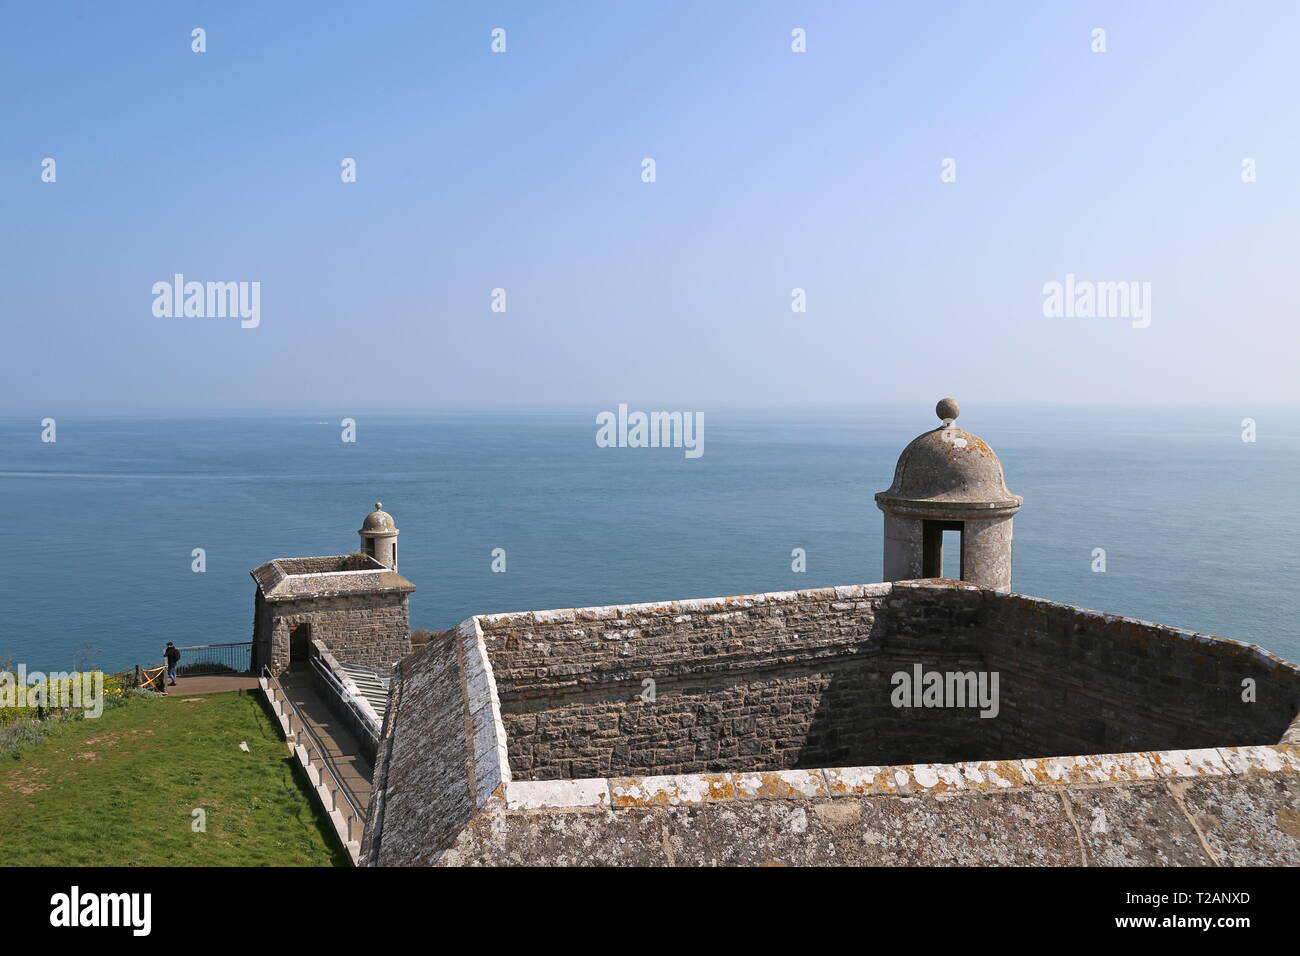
(235, 657)
(349, 796)
(342, 693)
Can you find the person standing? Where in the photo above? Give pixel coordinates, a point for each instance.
(172, 656)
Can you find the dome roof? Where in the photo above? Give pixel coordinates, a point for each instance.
(948, 469)
(378, 521)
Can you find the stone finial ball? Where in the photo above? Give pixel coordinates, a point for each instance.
(380, 504)
(947, 409)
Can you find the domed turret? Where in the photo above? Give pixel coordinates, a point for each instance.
(949, 480)
(377, 520)
(379, 536)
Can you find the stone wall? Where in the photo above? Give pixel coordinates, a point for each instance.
(1079, 682)
(796, 679)
(263, 650)
(804, 679)
(768, 720)
(369, 629)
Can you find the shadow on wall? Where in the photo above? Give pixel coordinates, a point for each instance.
(1053, 680)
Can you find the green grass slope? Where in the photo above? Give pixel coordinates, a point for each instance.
(121, 790)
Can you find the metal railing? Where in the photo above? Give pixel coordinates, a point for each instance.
(215, 659)
(360, 672)
(302, 735)
(363, 721)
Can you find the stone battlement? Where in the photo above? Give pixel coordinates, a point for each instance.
(761, 728)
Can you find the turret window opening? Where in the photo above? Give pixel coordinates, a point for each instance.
(942, 551)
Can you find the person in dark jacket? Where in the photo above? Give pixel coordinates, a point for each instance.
(172, 656)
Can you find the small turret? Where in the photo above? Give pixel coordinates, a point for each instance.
(379, 536)
(949, 480)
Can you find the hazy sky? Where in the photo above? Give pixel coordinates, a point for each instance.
(775, 170)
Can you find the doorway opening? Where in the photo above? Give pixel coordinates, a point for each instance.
(943, 554)
(299, 644)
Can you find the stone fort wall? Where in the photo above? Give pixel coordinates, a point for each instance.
(1079, 682)
(802, 679)
(793, 679)
(368, 629)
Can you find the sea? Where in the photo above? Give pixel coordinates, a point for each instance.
(1197, 527)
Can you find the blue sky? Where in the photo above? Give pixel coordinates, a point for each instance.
(522, 171)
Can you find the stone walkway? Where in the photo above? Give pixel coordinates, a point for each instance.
(339, 743)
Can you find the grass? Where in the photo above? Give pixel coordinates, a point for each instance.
(120, 790)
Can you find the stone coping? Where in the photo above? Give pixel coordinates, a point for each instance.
(488, 767)
(981, 776)
(710, 605)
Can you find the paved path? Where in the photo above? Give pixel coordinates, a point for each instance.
(212, 684)
(338, 742)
